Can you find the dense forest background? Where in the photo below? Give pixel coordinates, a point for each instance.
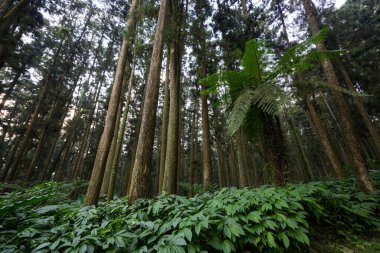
(140, 98)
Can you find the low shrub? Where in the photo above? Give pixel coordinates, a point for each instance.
(266, 219)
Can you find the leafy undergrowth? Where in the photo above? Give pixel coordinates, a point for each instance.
(266, 219)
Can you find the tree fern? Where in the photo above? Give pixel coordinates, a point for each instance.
(255, 85)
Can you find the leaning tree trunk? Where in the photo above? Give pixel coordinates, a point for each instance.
(120, 139)
(375, 137)
(95, 183)
(140, 173)
(319, 128)
(352, 144)
(12, 86)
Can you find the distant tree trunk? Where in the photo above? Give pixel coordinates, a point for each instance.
(95, 183)
(34, 119)
(193, 153)
(323, 137)
(234, 172)
(241, 160)
(375, 137)
(11, 154)
(120, 139)
(299, 147)
(139, 187)
(111, 153)
(355, 153)
(26, 138)
(12, 86)
(220, 161)
(274, 147)
(164, 127)
(78, 161)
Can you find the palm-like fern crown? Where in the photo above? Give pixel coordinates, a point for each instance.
(254, 90)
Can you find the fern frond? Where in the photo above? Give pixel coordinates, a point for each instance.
(264, 97)
(239, 111)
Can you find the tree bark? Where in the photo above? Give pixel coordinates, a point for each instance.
(120, 139)
(95, 183)
(164, 127)
(140, 173)
(375, 137)
(171, 157)
(352, 144)
(241, 160)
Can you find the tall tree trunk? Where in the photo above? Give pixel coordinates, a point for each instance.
(120, 139)
(79, 159)
(375, 137)
(206, 147)
(95, 183)
(164, 127)
(220, 161)
(26, 138)
(12, 86)
(319, 128)
(111, 153)
(243, 177)
(193, 152)
(139, 178)
(34, 119)
(299, 147)
(352, 144)
(274, 147)
(171, 158)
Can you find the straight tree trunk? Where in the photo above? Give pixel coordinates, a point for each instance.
(140, 174)
(120, 139)
(352, 144)
(164, 127)
(301, 151)
(95, 183)
(171, 158)
(206, 147)
(243, 177)
(220, 161)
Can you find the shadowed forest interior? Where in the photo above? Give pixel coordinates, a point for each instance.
(189, 126)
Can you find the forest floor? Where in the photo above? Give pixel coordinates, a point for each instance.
(349, 243)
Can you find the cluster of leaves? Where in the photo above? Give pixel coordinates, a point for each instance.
(266, 219)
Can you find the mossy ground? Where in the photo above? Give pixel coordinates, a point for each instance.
(326, 242)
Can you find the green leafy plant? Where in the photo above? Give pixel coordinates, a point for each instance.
(266, 219)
